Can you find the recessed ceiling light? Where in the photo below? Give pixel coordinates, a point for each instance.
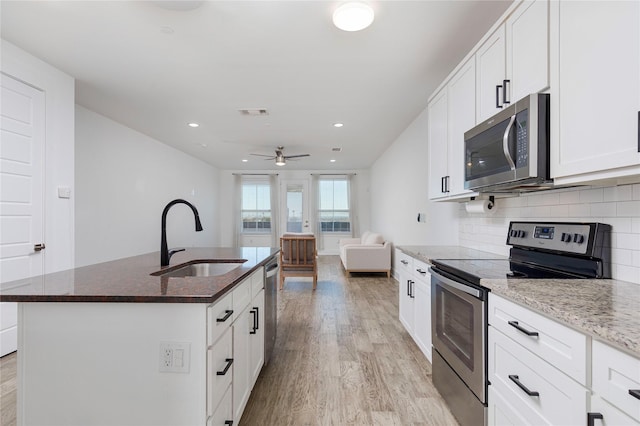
(338, 124)
(353, 16)
(204, 145)
(194, 125)
(332, 160)
(244, 160)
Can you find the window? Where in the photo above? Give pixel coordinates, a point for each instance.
(333, 200)
(256, 207)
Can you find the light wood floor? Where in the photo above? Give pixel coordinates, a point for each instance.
(341, 358)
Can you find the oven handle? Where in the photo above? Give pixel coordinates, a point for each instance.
(505, 144)
(464, 288)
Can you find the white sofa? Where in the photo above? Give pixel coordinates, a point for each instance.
(369, 253)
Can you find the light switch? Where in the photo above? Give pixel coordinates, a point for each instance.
(64, 192)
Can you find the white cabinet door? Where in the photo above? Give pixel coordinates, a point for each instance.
(241, 369)
(223, 416)
(528, 49)
(597, 97)
(462, 116)
(256, 337)
(438, 145)
(490, 73)
(406, 301)
(611, 416)
(422, 314)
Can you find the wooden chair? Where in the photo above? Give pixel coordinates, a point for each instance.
(298, 257)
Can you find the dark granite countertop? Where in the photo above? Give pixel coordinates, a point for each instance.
(129, 280)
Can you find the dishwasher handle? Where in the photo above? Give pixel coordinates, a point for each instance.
(272, 269)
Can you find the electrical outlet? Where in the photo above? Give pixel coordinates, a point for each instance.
(174, 357)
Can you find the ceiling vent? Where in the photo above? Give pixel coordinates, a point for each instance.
(254, 111)
(336, 149)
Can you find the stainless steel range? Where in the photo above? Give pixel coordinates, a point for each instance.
(459, 302)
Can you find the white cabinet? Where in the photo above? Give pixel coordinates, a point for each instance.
(248, 352)
(605, 414)
(224, 412)
(616, 379)
(451, 113)
(415, 300)
(596, 99)
(514, 61)
(537, 366)
(490, 75)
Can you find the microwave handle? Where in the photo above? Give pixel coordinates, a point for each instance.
(505, 143)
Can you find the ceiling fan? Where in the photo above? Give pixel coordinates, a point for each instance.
(280, 158)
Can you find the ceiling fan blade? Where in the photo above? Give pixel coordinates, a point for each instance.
(270, 157)
(296, 156)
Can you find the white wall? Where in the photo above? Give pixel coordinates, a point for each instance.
(59, 149)
(399, 191)
(618, 206)
(123, 181)
(330, 246)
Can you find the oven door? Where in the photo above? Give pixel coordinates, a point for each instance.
(459, 327)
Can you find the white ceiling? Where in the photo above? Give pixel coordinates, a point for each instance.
(285, 56)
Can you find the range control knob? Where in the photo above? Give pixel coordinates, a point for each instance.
(566, 237)
(513, 233)
(521, 234)
(578, 238)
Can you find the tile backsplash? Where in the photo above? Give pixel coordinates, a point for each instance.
(618, 206)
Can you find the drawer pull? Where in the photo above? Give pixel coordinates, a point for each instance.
(515, 379)
(635, 393)
(228, 313)
(228, 423)
(404, 262)
(419, 270)
(229, 361)
(591, 418)
(522, 329)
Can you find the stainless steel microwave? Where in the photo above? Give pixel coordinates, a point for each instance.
(510, 151)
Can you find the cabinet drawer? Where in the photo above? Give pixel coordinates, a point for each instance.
(611, 416)
(557, 344)
(421, 270)
(257, 282)
(242, 296)
(517, 374)
(404, 262)
(224, 411)
(219, 318)
(218, 357)
(614, 374)
(501, 413)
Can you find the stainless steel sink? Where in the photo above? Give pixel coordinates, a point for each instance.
(204, 269)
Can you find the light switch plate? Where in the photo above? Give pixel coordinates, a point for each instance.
(64, 192)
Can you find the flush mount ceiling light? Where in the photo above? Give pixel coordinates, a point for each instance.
(193, 125)
(353, 16)
(338, 124)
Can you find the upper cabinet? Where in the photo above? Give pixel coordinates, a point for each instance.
(451, 113)
(514, 60)
(596, 101)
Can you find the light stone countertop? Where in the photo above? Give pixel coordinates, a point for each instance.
(606, 310)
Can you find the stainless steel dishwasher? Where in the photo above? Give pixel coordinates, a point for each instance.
(270, 307)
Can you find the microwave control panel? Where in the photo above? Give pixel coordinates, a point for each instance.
(522, 138)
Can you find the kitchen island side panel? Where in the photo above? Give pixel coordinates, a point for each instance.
(98, 363)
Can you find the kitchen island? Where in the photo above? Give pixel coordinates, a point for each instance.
(113, 344)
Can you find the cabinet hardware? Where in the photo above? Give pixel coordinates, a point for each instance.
(638, 131)
(635, 393)
(421, 271)
(515, 379)
(498, 88)
(442, 184)
(228, 313)
(522, 329)
(256, 324)
(229, 361)
(591, 418)
(412, 293)
(228, 423)
(504, 91)
(404, 262)
(39, 247)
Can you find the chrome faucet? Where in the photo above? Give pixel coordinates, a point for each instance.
(165, 253)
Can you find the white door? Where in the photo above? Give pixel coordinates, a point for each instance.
(438, 143)
(490, 73)
(295, 206)
(21, 193)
